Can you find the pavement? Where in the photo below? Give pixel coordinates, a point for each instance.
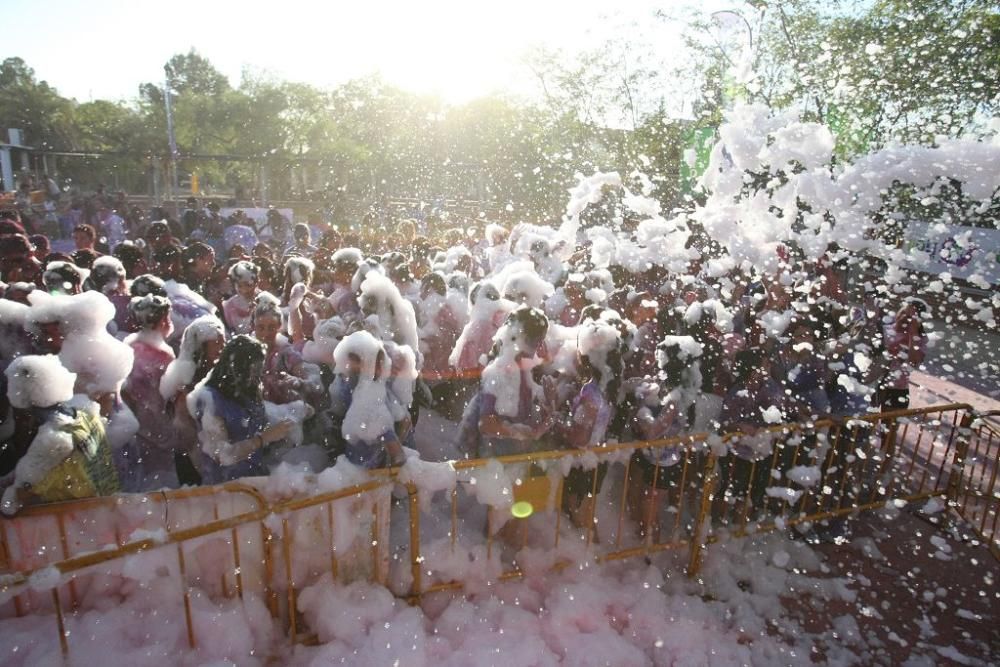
(962, 366)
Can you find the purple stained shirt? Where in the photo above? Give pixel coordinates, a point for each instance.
(590, 394)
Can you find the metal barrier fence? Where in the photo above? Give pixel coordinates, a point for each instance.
(788, 475)
(45, 534)
(974, 493)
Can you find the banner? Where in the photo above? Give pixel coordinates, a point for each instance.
(961, 251)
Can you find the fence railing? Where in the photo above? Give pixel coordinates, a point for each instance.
(516, 514)
(974, 493)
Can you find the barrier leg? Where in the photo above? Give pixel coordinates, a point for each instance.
(958, 461)
(415, 558)
(700, 536)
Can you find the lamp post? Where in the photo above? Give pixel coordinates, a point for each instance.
(171, 139)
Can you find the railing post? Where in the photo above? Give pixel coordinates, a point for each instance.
(958, 459)
(415, 559)
(699, 537)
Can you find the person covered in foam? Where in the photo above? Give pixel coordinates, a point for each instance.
(511, 412)
(664, 410)
(305, 307)
(75, 328)
(286, 378)
(230, 417)
(149, 459)
(360, 397)
(439, 326)
(200, 349)
(108, 277)
(238, 309)
(70, 456)
(487, 315)
(599, 365)
(343, 265)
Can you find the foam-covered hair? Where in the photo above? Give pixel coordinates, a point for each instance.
(299, 270)
(347, 256)
(243, 272)
(149, 310)
(366, 348)
(38, 381)
(147, 283)
(265, 304)
(106, 274)
(600, 342)
(181, 370)
(62, 276)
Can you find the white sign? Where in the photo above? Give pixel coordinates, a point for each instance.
(961, 251)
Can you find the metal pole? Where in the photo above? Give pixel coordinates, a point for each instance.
(171, 138)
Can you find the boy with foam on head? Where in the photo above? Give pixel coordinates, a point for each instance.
(70, 456)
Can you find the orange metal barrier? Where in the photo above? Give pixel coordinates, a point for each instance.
(804, 473)
(264, 558)
(44, 534)
(974, 493)
(828, 470)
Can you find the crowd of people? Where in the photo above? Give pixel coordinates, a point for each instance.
(194, 349)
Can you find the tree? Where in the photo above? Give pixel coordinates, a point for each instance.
(35, 107)
(905, 70)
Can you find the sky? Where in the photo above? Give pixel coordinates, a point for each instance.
(458, 49)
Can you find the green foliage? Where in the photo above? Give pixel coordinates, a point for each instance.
(364, 137)
(34, 107)
(876, 72)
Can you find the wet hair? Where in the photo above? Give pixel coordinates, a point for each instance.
(57, 257)
(671, 364)
(393, 259)
(148, 311)
(920, 306)
(298, 270)
(265, 270)
(41, 244)
(196, 251)
(591, 312)
(84, 257)
(58, 274)
(435, 282)
(167, 255)
(533, 323)
(158, 228)
(330, 237)
(128, 254)
(15, 243)
(238, 373)
(486, 290)
(147, 284)
(745, 363)
(401, 273)
(302, 231)
(10, 226)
